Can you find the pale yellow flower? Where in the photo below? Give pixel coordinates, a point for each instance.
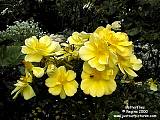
(98, 83)
(117, 42)
(104, 34)
(36, 49)
(62, 82)
(38, 71)
(78, 38)
(129, 64)
(23, 87)
(51, 68)
(152, 84)
(97, 53)
(120, 44)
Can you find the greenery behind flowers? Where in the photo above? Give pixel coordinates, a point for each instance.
(19, 31)
(140, 18)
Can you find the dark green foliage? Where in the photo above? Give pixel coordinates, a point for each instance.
(140, 18)
(17, 33)
(46, 106)
(111, 115)
(10, 55)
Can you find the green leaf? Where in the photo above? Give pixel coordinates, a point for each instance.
(133, 31)
(114, 115)
(10, 55)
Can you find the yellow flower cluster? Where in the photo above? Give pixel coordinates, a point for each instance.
(104, 52)
(60, 82)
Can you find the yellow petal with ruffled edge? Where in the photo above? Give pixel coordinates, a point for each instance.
(33, 57)
(95, 64)
(87, 68)
(51, 82)
(54, 47)
(130, 72)
(36, 50)
(111, 87)
(56, 90)
(71, 75)
(84, 85)
(86, 53)
(136, 63)
(103, 59)
(31, 42)
(45, 40)
(78, 38)
(75, 39)
(98, 88)
(26, 50)
(70, 88)
(28, 92)
(38, 71)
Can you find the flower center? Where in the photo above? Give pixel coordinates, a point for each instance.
(96, 75)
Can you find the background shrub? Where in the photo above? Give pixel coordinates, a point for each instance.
(17, 33)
